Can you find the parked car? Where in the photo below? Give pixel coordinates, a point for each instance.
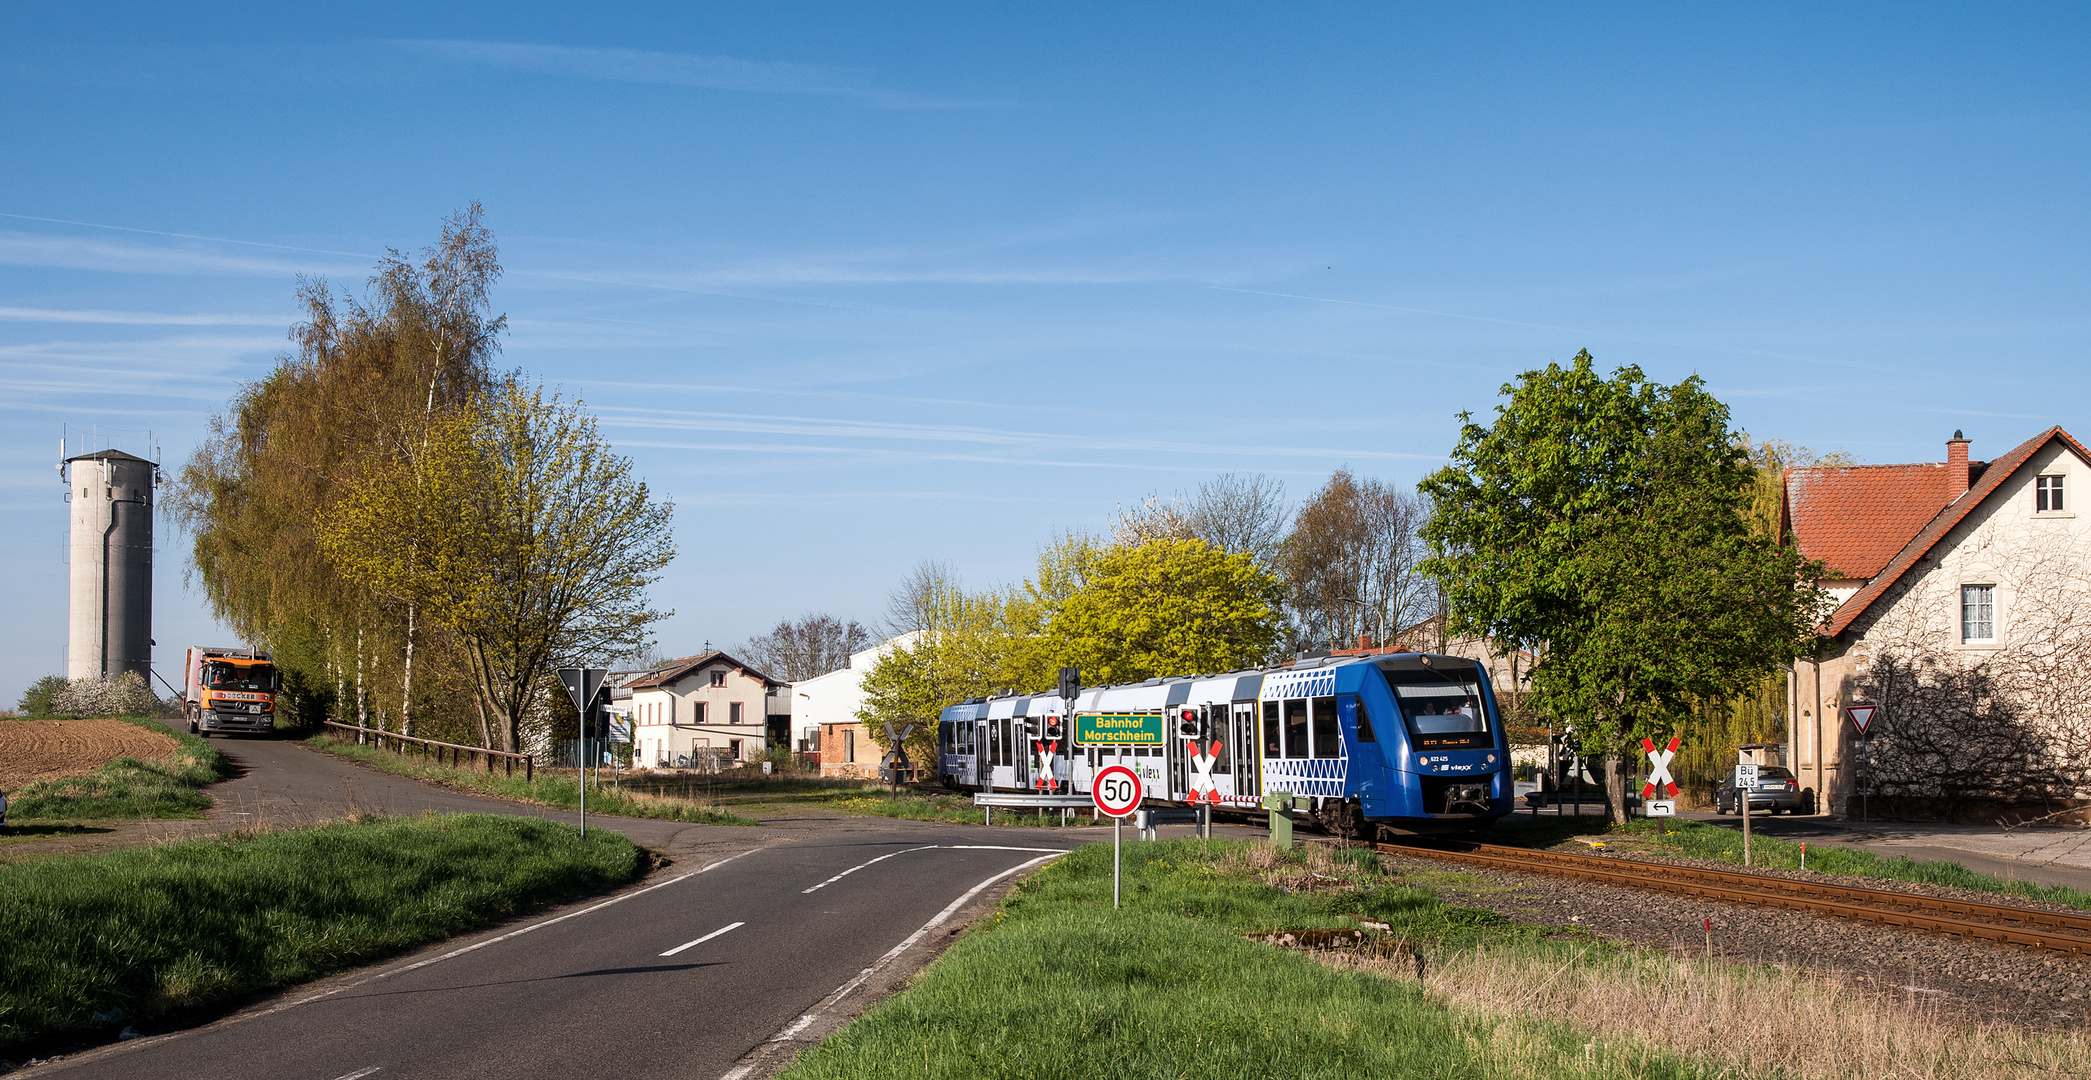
(1777, 790)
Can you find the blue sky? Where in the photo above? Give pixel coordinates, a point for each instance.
(862, 285)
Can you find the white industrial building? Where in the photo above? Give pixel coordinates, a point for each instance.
(824, 709)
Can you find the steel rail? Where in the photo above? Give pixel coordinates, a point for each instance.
(2056, 931)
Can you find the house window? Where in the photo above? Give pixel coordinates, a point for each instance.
(698, 707)
(1978, 613)
(733, 749)
(2047, 493)
(733, 713)
(718, 678)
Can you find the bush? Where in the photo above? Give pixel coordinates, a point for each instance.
(40, 698)
(125, 695)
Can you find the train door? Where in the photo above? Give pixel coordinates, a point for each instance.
(976, 730)
(1026, 754)
(1173, 740)
(1248, 779)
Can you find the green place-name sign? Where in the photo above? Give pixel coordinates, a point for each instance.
(1118, 729)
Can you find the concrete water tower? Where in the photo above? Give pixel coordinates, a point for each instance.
(112, 495)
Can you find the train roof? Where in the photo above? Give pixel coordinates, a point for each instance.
(1161, 693)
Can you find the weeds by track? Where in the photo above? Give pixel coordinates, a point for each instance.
(2009, 924)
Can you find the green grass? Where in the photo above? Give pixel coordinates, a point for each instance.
(1700, 840)
(1057, 984)
(89, 944)
(129, 787)
(558, 790)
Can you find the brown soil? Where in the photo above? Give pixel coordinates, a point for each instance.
(32, 750)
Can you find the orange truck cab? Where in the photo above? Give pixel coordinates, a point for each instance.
(230, 690)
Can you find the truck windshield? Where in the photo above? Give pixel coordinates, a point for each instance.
(239, 676)
(1443, 710)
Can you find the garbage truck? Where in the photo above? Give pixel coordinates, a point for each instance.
(230, 690)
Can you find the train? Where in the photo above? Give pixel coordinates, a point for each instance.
(1401, 742)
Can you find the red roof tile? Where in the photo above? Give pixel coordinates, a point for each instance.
(1856, 517)
(1993, 477)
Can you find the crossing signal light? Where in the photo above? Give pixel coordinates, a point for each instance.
(1052, 727)
(1187, 723)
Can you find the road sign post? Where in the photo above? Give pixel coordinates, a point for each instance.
(1861, 717)
(582, 685)
(1116, 793)
(1745, 783)
(1659, 778)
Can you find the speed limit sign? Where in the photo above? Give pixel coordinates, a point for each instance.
(1116, 791)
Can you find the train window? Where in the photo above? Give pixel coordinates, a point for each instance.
(1270, 730)
(1217, 723)
(1365, 725)
(1296, 727)
(1328, 735)
(1444, 710)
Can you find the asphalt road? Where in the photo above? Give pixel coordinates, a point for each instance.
(751, 934)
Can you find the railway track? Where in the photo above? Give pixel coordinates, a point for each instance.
(2005, 923)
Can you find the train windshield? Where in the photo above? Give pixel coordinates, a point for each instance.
(1443, 710)
(239, 676)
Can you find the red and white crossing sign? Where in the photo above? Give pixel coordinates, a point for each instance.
(1116, 791)
(1659, 767)
(1042, 765)
(1860, 716)
(1202, 786)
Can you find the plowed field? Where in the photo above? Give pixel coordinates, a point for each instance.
(51, 749)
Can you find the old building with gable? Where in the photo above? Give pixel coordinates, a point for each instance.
(704, 711)
(1962, 615)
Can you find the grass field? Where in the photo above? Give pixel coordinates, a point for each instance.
(557, 789)
(1057, 984)
(129, 787)
(92, 944)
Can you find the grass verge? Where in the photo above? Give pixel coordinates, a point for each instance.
(129, 787)
(1057, 984)
(91, 944)
(559, 790)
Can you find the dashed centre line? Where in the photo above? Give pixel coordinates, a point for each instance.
(705, 938)
(926, 847)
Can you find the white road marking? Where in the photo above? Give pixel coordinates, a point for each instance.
(403, 969)
(359, 1074)
(926, 847)
(705, 938)
(807, 1018)
(861, 866)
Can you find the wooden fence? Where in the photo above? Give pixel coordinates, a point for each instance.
(439, 750)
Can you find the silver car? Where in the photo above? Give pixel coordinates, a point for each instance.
(1777, 791)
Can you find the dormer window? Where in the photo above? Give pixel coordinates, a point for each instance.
(2047, 494)
(719, 678)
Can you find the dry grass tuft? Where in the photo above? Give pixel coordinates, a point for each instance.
(1754, 1021)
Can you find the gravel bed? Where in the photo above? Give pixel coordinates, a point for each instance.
(1970, 981)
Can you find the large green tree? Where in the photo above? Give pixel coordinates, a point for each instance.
(1120, 612)
(1603, 523)
(521, 535)
(369, 377)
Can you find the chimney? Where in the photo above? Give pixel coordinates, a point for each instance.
(1956, 466)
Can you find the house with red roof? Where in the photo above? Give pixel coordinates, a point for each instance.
(1960, 630)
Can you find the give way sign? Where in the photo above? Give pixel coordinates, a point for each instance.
(1116, 791)
(1861, 715)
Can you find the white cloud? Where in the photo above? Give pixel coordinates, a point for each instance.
(679, 69)
(85, 253)
(138, 318)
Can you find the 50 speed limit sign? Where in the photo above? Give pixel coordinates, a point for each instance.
(1116, 791)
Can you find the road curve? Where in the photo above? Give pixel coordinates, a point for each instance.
(751, 933)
